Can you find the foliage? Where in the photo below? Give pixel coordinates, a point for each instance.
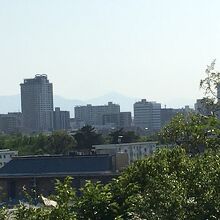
(65, 197)
(170, 184)
(210, 85)
(194, 132)
(121, 136)
(58, 142)
(96, 203)
(4, 215)
(86, 137)
(61, 143)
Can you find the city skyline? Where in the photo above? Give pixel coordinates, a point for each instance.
(92, 48)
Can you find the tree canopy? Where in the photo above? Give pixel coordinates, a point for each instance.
(87, 136)
(194, 132)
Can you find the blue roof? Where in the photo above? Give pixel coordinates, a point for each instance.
(56, 165)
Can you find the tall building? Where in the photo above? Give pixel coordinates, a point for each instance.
(61, 119)
(37, 104)
(93, 115)
(147, 115)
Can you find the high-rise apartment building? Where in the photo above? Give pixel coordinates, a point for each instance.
(93, 115)
(147, 115)
(37, 104)
(61, 119)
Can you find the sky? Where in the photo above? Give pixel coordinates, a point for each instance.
(151, 49)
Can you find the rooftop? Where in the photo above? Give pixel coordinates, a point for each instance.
(56, 165)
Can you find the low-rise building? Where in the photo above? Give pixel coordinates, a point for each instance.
(11, 122)
(134, 151)
(38, 173)
(6, 156)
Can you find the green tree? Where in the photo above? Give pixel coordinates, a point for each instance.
(115, 136)
(194, 132)
(96, 203)
(121, 136)
(170, 185)
(209, 85)
(60, 143)
(87, 136)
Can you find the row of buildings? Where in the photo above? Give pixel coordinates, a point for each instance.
(38, 113)
(14, 122)
(147, 116)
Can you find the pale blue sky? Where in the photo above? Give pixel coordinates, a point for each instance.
(153, 49)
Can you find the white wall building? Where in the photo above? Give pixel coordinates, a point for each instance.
(135, 151)
(6, 155)
(93, 115)
(147, 115)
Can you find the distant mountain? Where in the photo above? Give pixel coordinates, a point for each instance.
(67, 104)
(12, 103)
(126, 103)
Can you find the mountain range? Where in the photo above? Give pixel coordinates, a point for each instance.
(13, 104)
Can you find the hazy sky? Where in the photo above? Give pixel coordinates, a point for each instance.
(153, 49)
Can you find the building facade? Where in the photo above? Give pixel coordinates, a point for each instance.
(125, 119)
(6, 156)
(61, 119)
(117, 120)
(37, 104)
(147, 115)
(11, 122)
(93, 115)
(134, 151)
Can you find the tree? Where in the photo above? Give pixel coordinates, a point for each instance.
(60, 143)
(87, 136)
(96, 202)
(210, 86)
(193, 132)
(115, 136)
(121, 136)
(170, 184)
